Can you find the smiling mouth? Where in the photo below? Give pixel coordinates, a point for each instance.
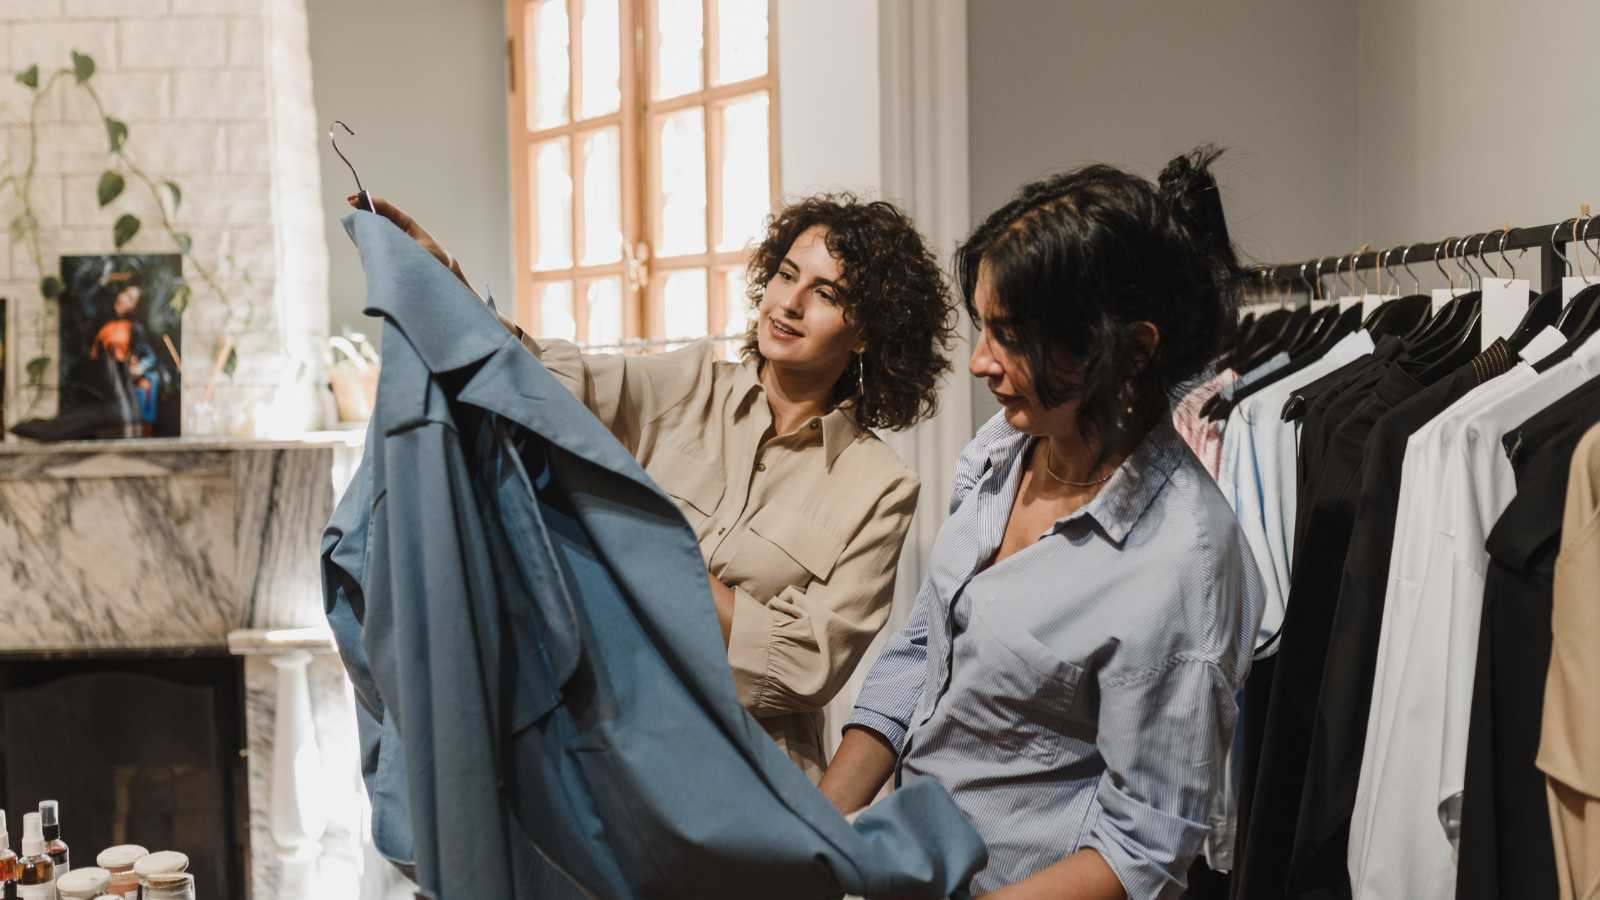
(783, 329)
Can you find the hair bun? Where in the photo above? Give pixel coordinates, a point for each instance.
(1195, 200)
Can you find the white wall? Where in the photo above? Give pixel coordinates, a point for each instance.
(828, 109)
(423, 83)
(1474, 113)
(1057, 84)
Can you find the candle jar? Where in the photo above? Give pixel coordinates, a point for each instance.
(119, 862)
(169, 886)
(83, 884)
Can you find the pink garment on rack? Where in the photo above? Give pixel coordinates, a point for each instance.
(1202, 435)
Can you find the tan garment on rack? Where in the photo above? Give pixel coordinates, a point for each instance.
(1569, 745)
(806, 527)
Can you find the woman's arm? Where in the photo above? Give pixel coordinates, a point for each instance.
(858, 771)
(1083, 875)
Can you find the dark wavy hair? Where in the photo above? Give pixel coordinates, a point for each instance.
(892, 290)
(1077, 258)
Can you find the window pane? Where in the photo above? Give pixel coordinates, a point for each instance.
(602, 197)
(556, 320)
(741, 40)
(605, 312)
(681, 208)
(600, 88)
(746, 192)
(548, 75)
(552, 210)
(680, 39)
(685, 303)
(737, 305)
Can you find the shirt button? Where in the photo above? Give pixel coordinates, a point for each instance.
(761, 467)
(815, 424)
(722, 530)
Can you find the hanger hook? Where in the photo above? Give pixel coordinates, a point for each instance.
(1310, 293)
(1318, 295)
(1443, 248)
(346, 160)
(1416, 283)
(1586, 246)
(1464, 259)
(1566, 263)
(1358, 272)
(1386, 268)
(1486, 264)
(1349, 283)
(1504, 235)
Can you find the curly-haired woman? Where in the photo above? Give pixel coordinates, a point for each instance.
(799, 509)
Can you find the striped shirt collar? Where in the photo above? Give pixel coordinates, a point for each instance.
(1131, 489)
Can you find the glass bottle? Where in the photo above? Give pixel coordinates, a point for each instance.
(82, 884)
(50, 818)
(36, 878)
(119, 861)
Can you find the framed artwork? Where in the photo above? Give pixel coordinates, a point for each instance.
(120, 339)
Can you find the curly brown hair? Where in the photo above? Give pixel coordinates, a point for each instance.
(892, 290)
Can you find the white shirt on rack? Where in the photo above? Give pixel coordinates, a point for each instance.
(1259, 453)
(1407, 817)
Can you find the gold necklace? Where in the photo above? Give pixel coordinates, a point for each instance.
(1067, 481)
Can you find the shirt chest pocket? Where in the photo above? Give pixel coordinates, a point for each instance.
(1038, 701)
(782, 549)
(691, 479)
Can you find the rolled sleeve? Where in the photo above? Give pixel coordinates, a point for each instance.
(794, 653)
(1163, 735)
(888, 698)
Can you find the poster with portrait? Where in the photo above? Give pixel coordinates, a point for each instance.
(120, 339)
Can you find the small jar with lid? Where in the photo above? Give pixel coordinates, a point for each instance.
(119, 862)
(83, 884)
(161, 862)
(169, 886)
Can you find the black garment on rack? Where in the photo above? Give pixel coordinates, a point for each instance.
(1333, 439)
(1506, 844)
(1317, 866)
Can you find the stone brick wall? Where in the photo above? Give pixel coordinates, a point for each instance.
(217, 96)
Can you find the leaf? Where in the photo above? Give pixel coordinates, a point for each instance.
(82, 66)
(117, 131)
(184, 243)
(51, 287)
(110, 188)
(29, 76)
(177, 194)
(180, 299)
(231, 363)
(123, 231)
(36, 368)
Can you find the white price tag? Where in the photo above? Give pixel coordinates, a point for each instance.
(1442, 296)
(1505, 302)
(1546, 342)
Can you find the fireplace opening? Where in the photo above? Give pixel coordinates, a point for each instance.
(138, 750)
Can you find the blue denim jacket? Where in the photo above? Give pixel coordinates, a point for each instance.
(546, 704)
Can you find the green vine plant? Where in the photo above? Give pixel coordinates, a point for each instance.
(168, 197)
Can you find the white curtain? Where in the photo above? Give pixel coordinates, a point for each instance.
(923, 69)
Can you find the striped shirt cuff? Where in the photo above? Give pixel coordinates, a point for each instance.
(892, 731)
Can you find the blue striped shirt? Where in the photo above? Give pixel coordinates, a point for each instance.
(1079, 693)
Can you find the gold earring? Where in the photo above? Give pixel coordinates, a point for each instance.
(861, 375)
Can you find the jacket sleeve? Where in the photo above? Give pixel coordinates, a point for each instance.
(625, 393)
(794, 653)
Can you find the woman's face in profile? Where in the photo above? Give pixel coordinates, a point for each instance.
(127, 300)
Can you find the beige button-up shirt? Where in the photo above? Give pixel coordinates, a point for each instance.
(804, 527)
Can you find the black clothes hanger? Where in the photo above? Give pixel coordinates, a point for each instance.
(1578, 329)
(1459, 340)
(1401, 316)
(363, 199)
(1320, 323)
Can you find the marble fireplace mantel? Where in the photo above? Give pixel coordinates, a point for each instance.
(175, 544)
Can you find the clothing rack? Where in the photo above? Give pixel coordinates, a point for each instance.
(1543, 238)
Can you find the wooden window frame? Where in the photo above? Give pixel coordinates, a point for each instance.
(642, 274)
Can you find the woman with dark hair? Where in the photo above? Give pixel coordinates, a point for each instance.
(799, 509)
(1069, 670)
